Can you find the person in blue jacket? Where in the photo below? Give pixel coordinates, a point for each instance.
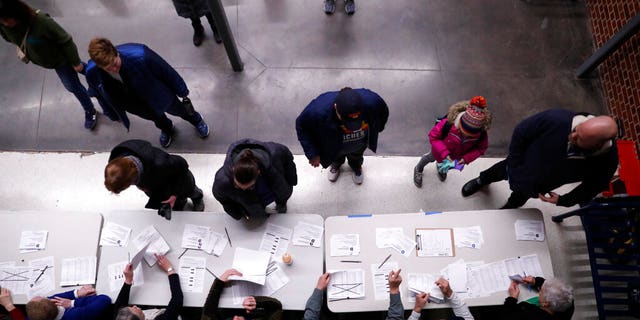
(338, 125)
(133, 78)
(79, 304)
(553, 148)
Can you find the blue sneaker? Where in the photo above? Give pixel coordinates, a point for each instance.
(203, 129)
(349, 7)
(166, 138)
(90, 120)
(329, 6)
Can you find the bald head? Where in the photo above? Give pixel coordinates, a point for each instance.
(593, 133)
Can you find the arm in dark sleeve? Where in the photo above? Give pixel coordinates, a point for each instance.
(539, 283)
(166, 73)
(304, 129)
(523, 134)
(219, 188)
(58, 35)
(290, 172)
(272, 307)
(175, 304)
(382, 114)
(67, 295)
(17, 314)
(123, 297)
(210, 309)
(90, 307)
(396, 310)
(314, 305)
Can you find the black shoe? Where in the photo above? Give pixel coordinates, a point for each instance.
(442, 175)
(471, 187)
(198, 35)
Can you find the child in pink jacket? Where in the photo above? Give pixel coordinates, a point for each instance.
(458, 139)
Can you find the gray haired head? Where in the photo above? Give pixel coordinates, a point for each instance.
(557, 294)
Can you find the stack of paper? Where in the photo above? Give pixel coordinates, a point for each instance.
(276, 279)
(78, 271)
(306, 234)
(345, 245)
(380, 279)
(156, 244)
(425, 283)
(523, 266)
(470, 237)
(114, 235)
(531, 230)
(456, 274)
(346, 284)
(252, 264)
(394, 238)
(192, 273)
(116, 275)
(31, 241)
(275, 239)
(203, 238)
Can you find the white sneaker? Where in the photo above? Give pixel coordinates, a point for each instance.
(357, 178)
(334, 173)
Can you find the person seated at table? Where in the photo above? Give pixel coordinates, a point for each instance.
(171, 312)
(314, 303)
(396, 310)
(555, 300)
(266, 308)
(79, 304)
(255, 174)
(7, 303)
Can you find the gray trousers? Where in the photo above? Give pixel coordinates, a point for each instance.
(426, 159)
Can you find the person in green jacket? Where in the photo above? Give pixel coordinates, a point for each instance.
(48, 45)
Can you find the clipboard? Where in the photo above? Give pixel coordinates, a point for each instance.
(435, 242)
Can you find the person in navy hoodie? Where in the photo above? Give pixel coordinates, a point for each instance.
(338, 125)
(133, 78)
(79, 304)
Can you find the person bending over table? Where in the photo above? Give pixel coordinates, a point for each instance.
(555, 300)
(79, 304)
(266, 308)
(171, 312)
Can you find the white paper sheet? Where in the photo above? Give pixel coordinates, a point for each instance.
(386, 236)
(156, 242)
(7, 264)
(16, 279)
(191, 273)
(275, 239)
(138, 256)
(345, 245)
(424, 282)
(276, 279)
(404, 245)
(114, 235)
(116, 277)
(43, 277)
(380, 279)
(306, 234)
(252, 264)
(489, 278)
(469, 237)
(456, 274)
(434, 243)
(524, 266)
(529, 230)
(198, 238)
(346, 284)
(78, 271)
(220, 243)
(31, 241)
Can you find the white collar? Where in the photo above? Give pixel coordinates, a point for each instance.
(60, 313)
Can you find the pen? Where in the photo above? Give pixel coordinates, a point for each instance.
(41, 273)
(385, 260)
(228, 238)
(182, 254)
(351, 261)
(528, 284)
(129, 255)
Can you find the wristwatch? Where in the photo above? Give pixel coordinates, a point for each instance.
(170, 269)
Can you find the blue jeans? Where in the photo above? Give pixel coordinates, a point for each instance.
(69, 78)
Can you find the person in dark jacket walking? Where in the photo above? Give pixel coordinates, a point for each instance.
(553, 148)
(338, 125)
(133, 78)
(194, 10)
(164, 177)
(255, 174)
(47, 44)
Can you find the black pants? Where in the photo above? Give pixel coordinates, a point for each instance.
(354, 159)
(161, 121)
(498, 172)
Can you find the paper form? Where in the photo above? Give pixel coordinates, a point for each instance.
(220, 243)
(434, 242)
(306, 234)
(531, 230)
(275, 239)
(380, 279)
(456, 274)
(116, 275)
(156, 243)
(491, 277)
(114, 235)
(198, 238)
(78, 271)
(192, 273)
(472, 283)
(252, 264)
(524, 266)
(276, 279)
(470, 237)
(31, 241)
(404, 245)
(7, 264)
(386, 236)
(43, 270)
(425, 283)
(345, 245)
(16, 279)
(346, 284)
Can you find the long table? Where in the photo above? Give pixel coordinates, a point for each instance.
(499, 243)
(303, 273)
(70, 235)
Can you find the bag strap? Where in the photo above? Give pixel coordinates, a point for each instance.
(26, 34)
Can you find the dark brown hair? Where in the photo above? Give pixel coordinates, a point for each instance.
(245, 168)
(119, 174)
(18, 10)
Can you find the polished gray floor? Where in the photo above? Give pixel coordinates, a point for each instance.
(421, 56)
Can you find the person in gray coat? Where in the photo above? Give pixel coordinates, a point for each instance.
(194, 10)
(255, 174)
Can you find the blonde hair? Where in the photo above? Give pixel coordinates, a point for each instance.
(102, 52)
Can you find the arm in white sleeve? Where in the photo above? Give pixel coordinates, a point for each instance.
(414, 316)
(460, 308)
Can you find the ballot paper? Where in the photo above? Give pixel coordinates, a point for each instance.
(380, 279)
(276, 279)
(78, 271)
(456, 274)
(252, 264)
(192, 273)
(43, 275)
(275, 239)
(531, 230)
(156, 243)
(386, 236)
(489, 278)
(220, 243)
(434, 242)
(404, 245)
(345, 245)
(7, 264)
(116, 275)
(346, 284)
(306, 234)
(425, 283)
(198, 238)
(524, 266)
(16, 279)
(473, 286)
(114, 235)
(31, 241)
(469, 237)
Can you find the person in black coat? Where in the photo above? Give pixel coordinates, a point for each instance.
(555, 301)
(255, 174)
(164, 177)
(553, 148)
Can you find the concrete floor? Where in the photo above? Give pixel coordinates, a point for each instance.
(420, 56)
